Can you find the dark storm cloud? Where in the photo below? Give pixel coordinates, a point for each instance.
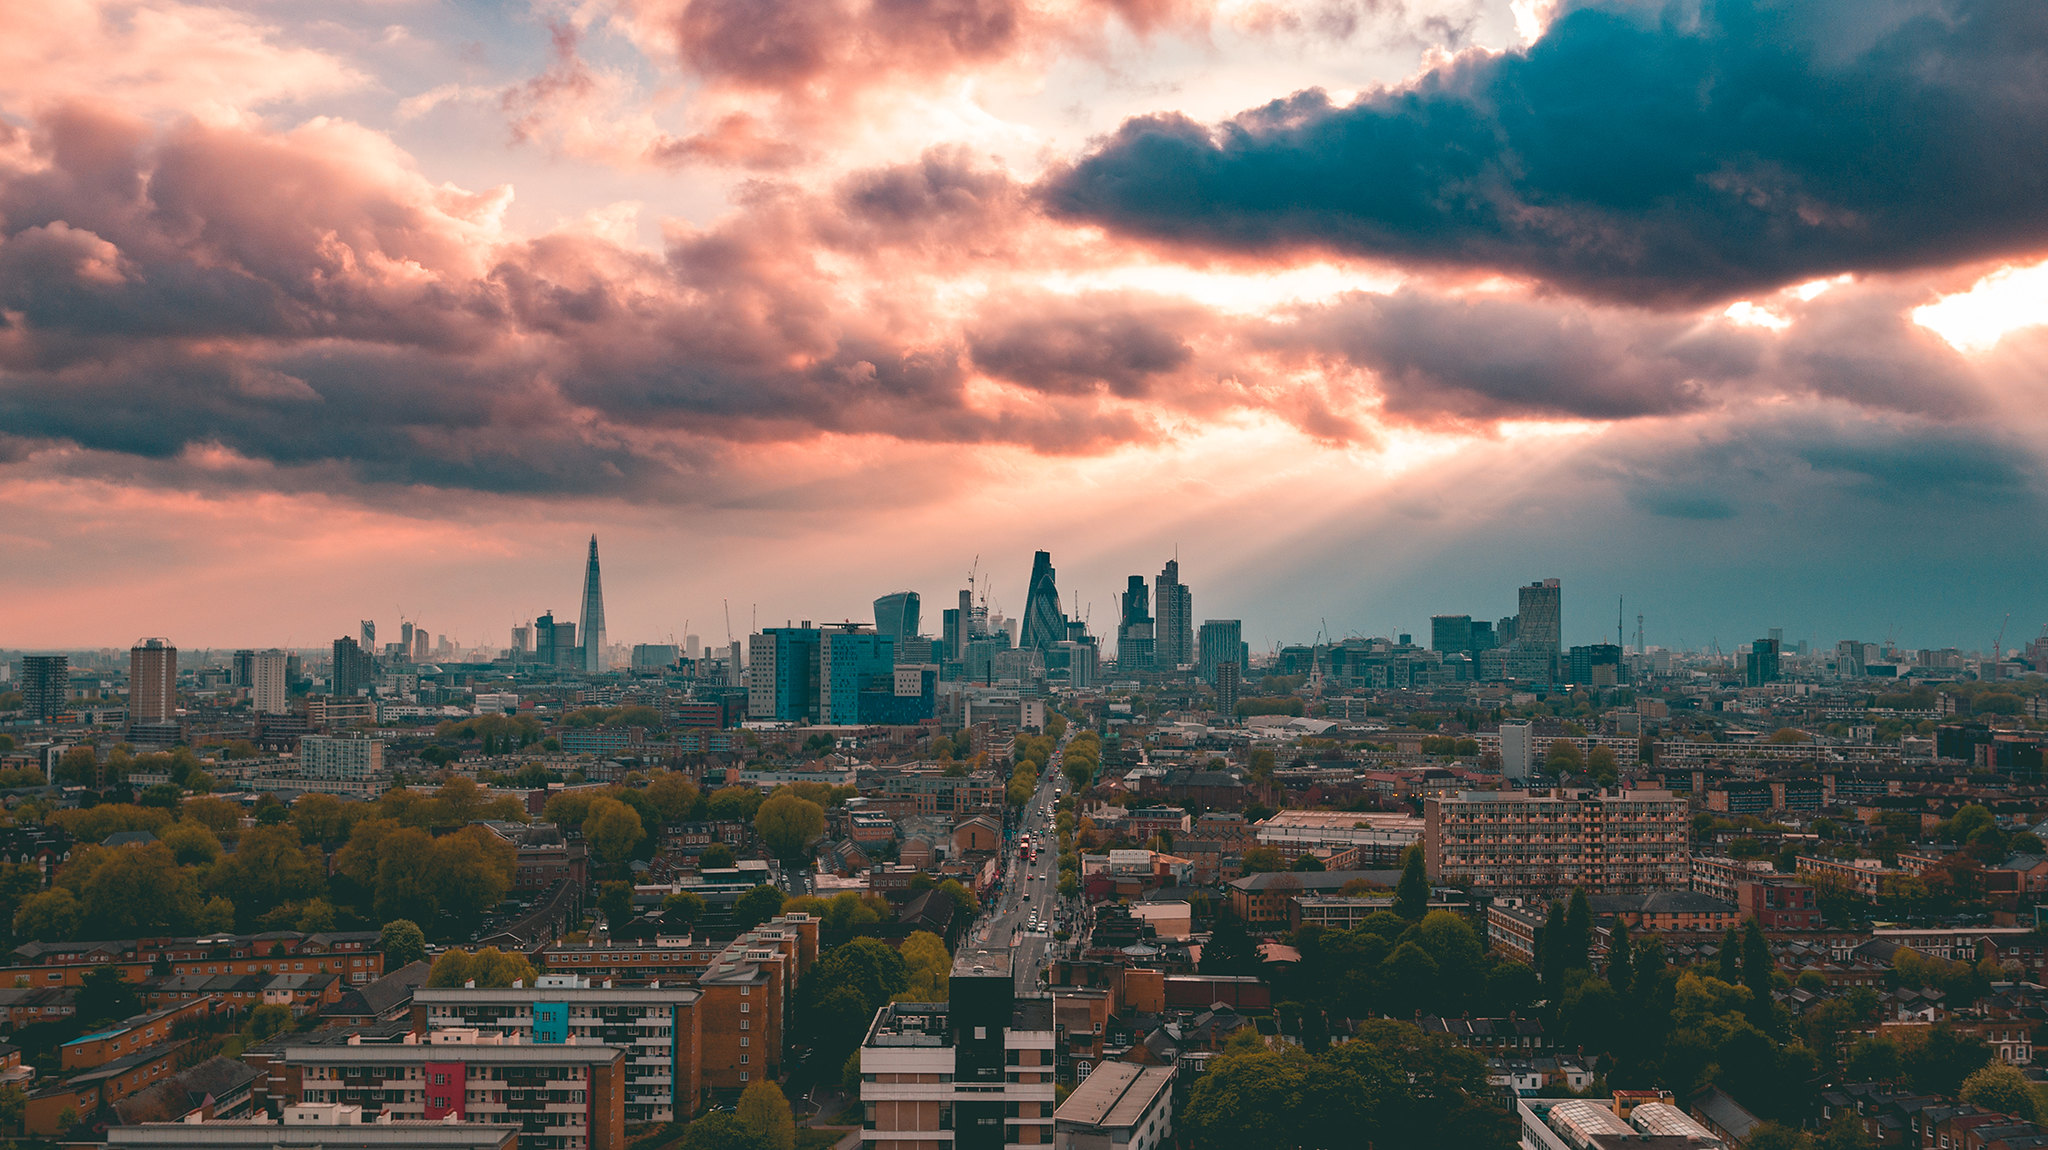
(1663, 153)
(1075, 346)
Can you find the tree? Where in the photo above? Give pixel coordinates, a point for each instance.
(717, 856)
(1757, 969)
(2003, 1088)
(1563, 757)
(216, 916)
(787, 824)
(1411, 897)
(612, 829)
(1259, 860)
(839, 995)
(765, 1113)
(719, 1132)
(1728, 966)
(1230, 949)
(756, 907)
(681, 910)
(673, 794)
(487, 967)
(190, 844)
(269, 868)
(929, 968)
(402, 942)
(1875, 1060)
(734, 804)
(1776, 1136)
(52, 916)
(105, 995)
(1620, 957)
(1308, 863)
(615, 899)
(136, 891)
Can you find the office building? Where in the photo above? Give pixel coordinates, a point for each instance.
(1120, 1106)
(1544, 843)
(152, 682)
(45, 686)
(1760, 663)
(1135, 644)
(594, 661)
(422, 645)
(1450, 634)
(403, 648)
(1221, 640)
(560, 1097)
(554, 644)
(657, 1026)
(975, 1072)
(1044, 622)
(269, 693)
(896, 616)
(1517, 750)
(353, 670)
(953, 634)
(1597, 665)
(655, 656)
(1540, 620)
(1173, 630)
(782, 674)
(852, 659)
(368, 637)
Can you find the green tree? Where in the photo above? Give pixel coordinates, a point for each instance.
(1411, 897)
(719, 1132)
(765, 1113)
(612, 829)
(402, 942)
(839, 995)
(2003, 1088)
(929, 968)
(1564, 757)
(1259, 860)
(105, 995)
(1230, 949)
(1757, 969)
(734, 804)
(681, 910)
(756, 907)
(615, 899)
(487, 967)
(216, 916)
(52, 916)
(269, 868)
(717, 856)
(788, 824)
(1620, 957)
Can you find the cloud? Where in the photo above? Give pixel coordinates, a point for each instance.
(1666, 154)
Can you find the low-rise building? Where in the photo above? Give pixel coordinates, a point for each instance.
(1547, 842)
(1119, 1106)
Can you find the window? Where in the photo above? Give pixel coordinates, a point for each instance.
(745, 1006)
(745, 1024)
(743, 1060)
(743, 1076)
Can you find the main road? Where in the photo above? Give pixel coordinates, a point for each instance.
(1030, 890)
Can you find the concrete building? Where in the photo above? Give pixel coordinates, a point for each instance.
(1379, 836)
(1517, 751)
(561, 1097)
(1546, 842)
(973, 1073)
(268, 692)
(313, 1126)
(783, 668)
(358, 761)
(1121, 1106)
(45, 686)
(1221, 641)
(656, 1025)
(152, 682)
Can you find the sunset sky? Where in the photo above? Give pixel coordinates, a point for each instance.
(319, 311)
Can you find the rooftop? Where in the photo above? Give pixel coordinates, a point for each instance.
(1117, 1094)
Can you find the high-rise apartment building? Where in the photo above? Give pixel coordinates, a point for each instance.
(1228, 681)
(353, 670)
(1135, 642)
(1044, 622)
(1173, 632)
(1221, 640)
(152, 681)
(1760, 663)
(368, 636)
(1517, 750)
(657, 1026)
(972, 1073)
(554, 644)
(241, 668)
(1544, 843)
(782, 674)
(422, 645)
(338, 757)
(896, 615)
(45, 686)
(268, 690)
(594, 661)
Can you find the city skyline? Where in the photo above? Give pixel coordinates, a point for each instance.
(593, 278)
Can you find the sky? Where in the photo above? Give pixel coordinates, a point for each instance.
(1728, 313)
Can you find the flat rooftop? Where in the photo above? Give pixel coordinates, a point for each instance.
(1117, 1094)
(981, 963)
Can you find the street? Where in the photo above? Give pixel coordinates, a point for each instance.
(1030, 888)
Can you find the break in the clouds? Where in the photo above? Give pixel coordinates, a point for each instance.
(1670, 153)
(1666, 261)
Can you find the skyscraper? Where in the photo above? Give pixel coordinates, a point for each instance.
(1227, 686)
(243, 672)
(1135, 643)
(554, 644)
(369, 638)
(1044, 623)
(896, 615)
(405, 631)
(1450, 634)
(45, 685)
(594, 661)
(1222, 641)
(1173, 634)
(354, 668)
(152, 681)
(268, 694)
(1542, 616)
(421, 645)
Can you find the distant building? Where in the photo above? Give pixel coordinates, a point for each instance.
(1221, 641)
(1597, 665)
(896, 616)
(1120, 1106)
(1134, 636)
(1227, 683)
(851, 659)
(980, 1064)
(783, 667)
(1517, 750)
(594, 661)
(554, 644)
(1760, 663)
(655, 656)
(1174, 631)
(269, 693)
(45, 686)
(1450, 634)
(152, 681)
(1547, 842)
(341, 759)
(353, 669)
(1044, 622)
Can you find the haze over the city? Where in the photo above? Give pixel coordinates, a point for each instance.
(311, 313)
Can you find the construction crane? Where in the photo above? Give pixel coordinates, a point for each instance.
(728, 621)
(1998, 644)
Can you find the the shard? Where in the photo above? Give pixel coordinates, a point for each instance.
(593, 616)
